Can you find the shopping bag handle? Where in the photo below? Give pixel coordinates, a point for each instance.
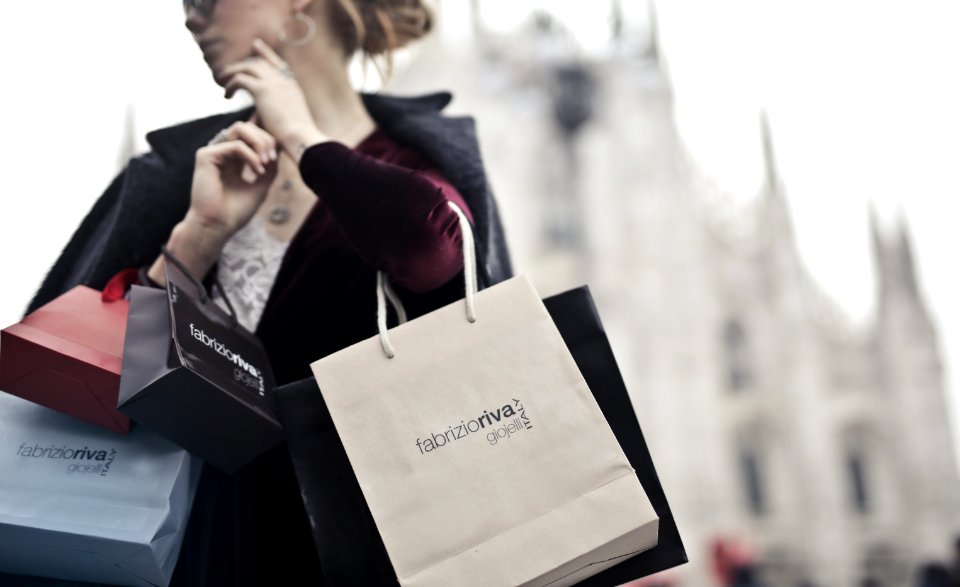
(204, 296)
(385, 292)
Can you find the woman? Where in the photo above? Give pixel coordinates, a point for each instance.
(294, 204)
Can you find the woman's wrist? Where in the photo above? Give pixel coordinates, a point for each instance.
(297, 141)
(195, 244)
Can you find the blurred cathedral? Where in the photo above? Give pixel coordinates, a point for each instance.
(774, 421)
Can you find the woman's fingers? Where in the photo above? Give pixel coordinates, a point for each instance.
(265, 63)
(253, 66)
(260, 140)
(281, 104)
(243, 81)
(267, 52)
(219, 153)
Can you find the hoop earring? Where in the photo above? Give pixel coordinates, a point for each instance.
(311, 31)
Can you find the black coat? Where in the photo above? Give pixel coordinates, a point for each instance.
(136, 213)
(251, 528)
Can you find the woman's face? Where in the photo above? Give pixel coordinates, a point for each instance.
(225, 29)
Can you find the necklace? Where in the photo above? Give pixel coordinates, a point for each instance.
(280, 213)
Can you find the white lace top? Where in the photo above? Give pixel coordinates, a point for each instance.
(247, 268)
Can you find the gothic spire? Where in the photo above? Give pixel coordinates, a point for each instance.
(653, 32)
(616, 21)
(893, 255)
(904, 252)
(476, 20)
(128, 140)
(771, 174)
(876, 238)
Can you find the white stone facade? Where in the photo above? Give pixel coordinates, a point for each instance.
(738, 366)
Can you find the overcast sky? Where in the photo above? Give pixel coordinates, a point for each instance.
(863, 99)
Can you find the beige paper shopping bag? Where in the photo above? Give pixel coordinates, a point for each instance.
(480, 449)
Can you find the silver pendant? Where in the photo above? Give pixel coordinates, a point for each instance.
(280, 215)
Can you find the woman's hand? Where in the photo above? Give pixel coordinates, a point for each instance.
(230, 182)
(281, 105)
(231, 178)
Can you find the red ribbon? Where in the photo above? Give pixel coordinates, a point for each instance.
(118, 285)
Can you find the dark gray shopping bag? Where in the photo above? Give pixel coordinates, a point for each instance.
(194, 375)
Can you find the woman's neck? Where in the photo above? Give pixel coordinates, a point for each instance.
(336, 106)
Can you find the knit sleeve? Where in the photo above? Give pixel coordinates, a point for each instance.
(396, 218)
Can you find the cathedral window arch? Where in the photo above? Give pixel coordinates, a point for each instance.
(752, 474)
(754, 467)
(863, 475)
(857, 485)
(736, 355)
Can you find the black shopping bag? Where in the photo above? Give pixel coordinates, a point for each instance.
(191, 373)
(344, 530)
(579, 324)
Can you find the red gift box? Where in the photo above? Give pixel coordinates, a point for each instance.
(66, 355)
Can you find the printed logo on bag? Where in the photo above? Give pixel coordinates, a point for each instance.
(84, 461)
(244, 372)
(493, 424)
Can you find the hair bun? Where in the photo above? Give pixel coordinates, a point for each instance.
(378, 27)
(393, 24)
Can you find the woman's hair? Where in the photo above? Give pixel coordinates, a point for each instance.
(378, 27)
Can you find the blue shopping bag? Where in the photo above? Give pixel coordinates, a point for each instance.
(81, 503)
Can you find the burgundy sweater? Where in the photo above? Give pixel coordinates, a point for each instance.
(379, 206)
(389, 204)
